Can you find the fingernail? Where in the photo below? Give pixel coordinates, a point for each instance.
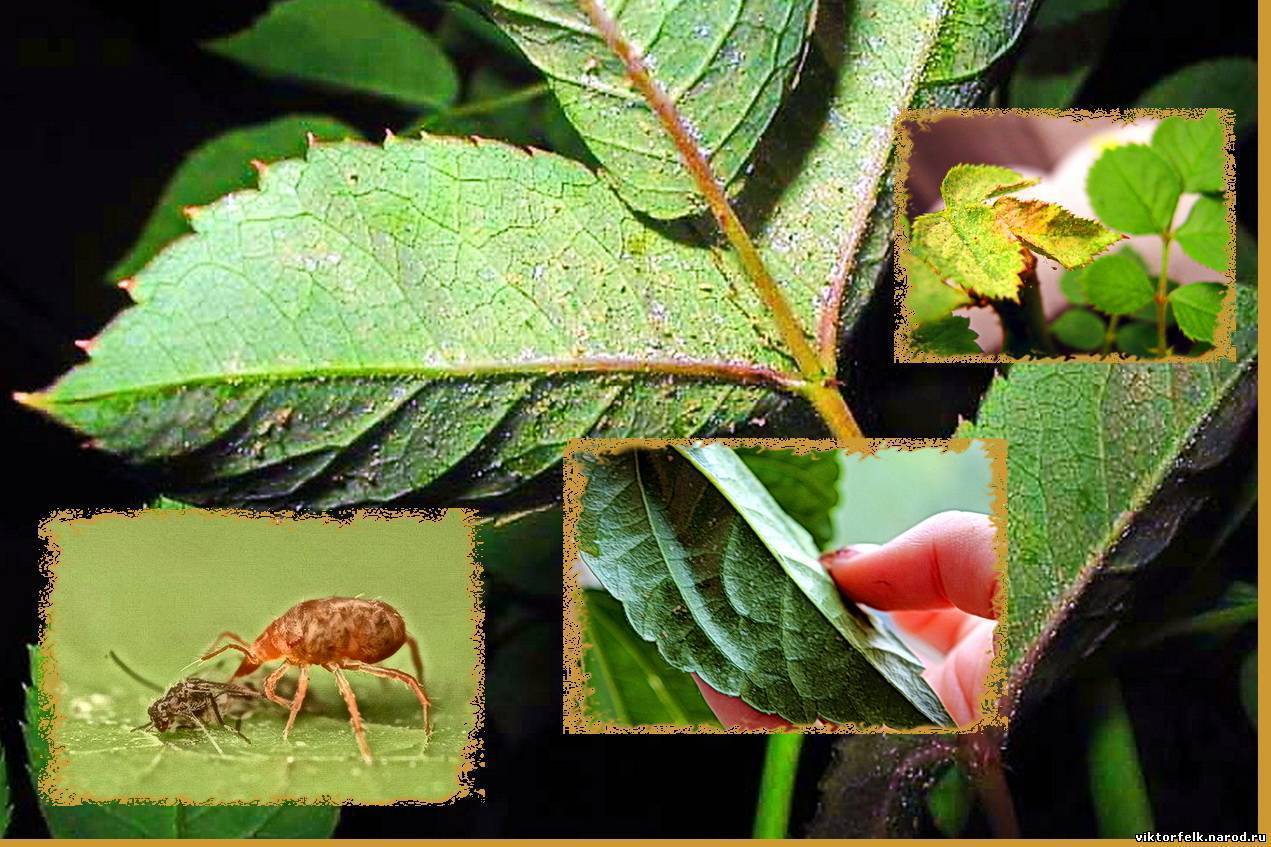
(845, 554)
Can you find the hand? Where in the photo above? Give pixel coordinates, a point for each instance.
(938, 580)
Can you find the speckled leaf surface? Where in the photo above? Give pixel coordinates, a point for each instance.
(725, 585)
(725, 64)
(1090, 446)
(974, 35)
(373, 318)
(972, 247)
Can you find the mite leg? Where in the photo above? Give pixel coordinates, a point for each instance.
(414, 657)
(355, 717)
(220, 719)
(219, 650)
(271, 682)
(301, 687)
(402, 676)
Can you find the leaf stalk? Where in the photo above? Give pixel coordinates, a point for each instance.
(776, 785)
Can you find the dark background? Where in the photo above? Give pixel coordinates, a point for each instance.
(106, 98)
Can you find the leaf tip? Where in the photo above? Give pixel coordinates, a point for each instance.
(31, 399)
(389, 136)
(311, 140)
(261, 168)
(191, 212)
(85, 344)
(126, 284)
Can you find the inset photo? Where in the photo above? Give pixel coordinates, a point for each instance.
(764, 585)
(223, 657)
(1047, 235)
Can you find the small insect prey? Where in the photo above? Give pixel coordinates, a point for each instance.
(194, 703)
(336, 633)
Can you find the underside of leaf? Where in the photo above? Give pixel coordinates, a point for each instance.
(374, 320)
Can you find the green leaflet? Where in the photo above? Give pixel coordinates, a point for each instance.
(1118, 284)
(1206, 234)
(724, 64)
(817, 201)
(1196, 308)
(711, 569)
(973, 36)
(977, 183)
(951, 336)
(354, 44)
(1133, 189)
(1080, 329)
(374, 318)
(1090, 445)
(1197, 148)
(805, 486)
(1136, 338)
(926, 294)
(1231, 83)
(632, 685)
(217, 167)
(971, 246)
(141, 820)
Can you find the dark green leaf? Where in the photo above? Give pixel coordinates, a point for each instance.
(1249, 686)
(632, 685)
(1197, 148)
(219, 166)
(1065, 42)
(1137, 339)
(805, 485)
(950, 800)
(951, 336)
(355, 44)
(141, 820)
(1090, 447)
(1118, 790)
(522, 549)
(1080, 329)
(1134, 190)
(1118, 285)
(686, 560)
(1206, 234)
(1230, 83)
(724, 66)
(1196, 307)
(374, 347)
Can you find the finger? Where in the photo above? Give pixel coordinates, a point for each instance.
(941, 628)
(960, 679)
(950, 559)
(734, 712)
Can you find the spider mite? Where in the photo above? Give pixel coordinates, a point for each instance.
(336, 633)
(194, 703)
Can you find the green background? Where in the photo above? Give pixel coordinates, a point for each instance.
(157, 586)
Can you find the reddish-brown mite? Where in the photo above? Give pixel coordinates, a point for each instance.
(339, 634)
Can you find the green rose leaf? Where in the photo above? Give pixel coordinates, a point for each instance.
(359, 45)
(805, 486)
(1080, 329)
(1137, 338)
(1053, 231)
(219, 166)
(1197, 148)
(730, 587)
(975, 34)
(972, 247)
(1206, 234)
(402, 312)
(927, 295)
(723, 67)
(951, 336)
(1196, 308)
(1231, 83)
(976, 183)
(1073, 284)
(632, 685)
(1118, 285)
(1133, 189)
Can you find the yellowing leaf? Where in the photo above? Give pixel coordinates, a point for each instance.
(976, 183)
(970, 246)
(1055, 232)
